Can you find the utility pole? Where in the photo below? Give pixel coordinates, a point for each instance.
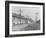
(20, 11)
(20, 14)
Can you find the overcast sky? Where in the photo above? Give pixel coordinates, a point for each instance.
(26, 11)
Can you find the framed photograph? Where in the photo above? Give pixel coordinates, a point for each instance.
(24, 18)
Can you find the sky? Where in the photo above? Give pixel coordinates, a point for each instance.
(27, 11)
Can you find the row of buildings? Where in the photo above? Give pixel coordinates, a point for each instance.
(19, 19)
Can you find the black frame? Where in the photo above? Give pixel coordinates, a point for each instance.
(7, 18)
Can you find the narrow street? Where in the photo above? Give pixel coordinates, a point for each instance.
(25, 27)
(19, 27)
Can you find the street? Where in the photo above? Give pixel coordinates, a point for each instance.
(25, 27)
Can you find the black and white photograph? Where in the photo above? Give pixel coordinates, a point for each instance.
(25, 18)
